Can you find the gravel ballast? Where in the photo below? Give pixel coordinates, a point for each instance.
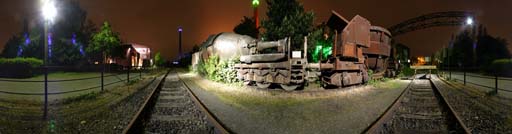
(249, 110)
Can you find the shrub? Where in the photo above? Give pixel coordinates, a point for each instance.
(406, 71)
(218, 70)
(500, 67)
(19, 67)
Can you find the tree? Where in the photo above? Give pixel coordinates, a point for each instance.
(11, 47)
(247, 27)
(70, 35)
(287, 18)
(103, 41)
(158, 59)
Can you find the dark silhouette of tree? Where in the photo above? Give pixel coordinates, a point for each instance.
(11, 47)
(479, 54)
(287, 18)
(247, 27)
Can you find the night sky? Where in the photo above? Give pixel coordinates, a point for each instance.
(154, 22)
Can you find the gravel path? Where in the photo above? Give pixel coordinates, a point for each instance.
(99, 112)
(248, 111)
(479, 113)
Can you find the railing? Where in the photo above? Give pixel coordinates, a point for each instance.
(46, 81)
(100, 85)
(465, 75)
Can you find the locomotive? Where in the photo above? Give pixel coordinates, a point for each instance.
(283, 66)
(357, 47)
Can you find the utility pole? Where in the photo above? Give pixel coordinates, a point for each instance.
(180, 30)
(255, 5)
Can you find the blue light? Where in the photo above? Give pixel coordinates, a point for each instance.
(27, 39)
(20, 50)
(82, 50)
(73, 40)
(50, 45)
(180, 29)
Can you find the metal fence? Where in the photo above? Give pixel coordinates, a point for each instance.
(100, 85)
(465, 75)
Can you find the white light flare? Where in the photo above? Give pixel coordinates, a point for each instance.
(469, 21)
(49, 10)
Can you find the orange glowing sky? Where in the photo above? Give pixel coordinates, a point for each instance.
(154, 22)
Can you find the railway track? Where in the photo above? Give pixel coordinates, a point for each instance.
(421, 108)
(174, 108)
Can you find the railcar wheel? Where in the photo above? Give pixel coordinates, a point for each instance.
(247, 83)
(289, 87)
(262, 85)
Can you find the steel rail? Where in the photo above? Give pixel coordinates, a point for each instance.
(387, 115)
(145, 106)
(210, 116)
(389, 111)
(452, 110)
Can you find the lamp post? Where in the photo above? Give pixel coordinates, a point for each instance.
(49, 13)
(470, 22)
(180, 30)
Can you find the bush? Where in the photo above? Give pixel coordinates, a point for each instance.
(501, 67)
(19, 67)
(218, 70)
(406, 72)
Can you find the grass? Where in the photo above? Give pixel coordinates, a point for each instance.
(69, 115)
(237, 95)
(384, 83)
(38, 87)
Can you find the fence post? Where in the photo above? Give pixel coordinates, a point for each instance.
(102, 75)
(495, 83)
(450, 71)
(464, 76)
(128, 75)
(45, 113)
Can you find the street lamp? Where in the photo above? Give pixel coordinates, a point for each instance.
(49, 13)
(469, 21)
(255, 5)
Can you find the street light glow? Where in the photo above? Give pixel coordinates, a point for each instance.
(49, 11)
(469, 21)
(255, 3)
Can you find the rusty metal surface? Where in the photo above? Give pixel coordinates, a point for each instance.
(262, 58)
(347, 67)
(380, 40)
(275, 67)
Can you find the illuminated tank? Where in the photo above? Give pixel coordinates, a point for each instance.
(225, 45)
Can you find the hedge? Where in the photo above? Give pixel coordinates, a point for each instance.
(19, 67)
(501, 67)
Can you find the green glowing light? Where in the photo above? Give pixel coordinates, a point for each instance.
(255, 3)
(325, 46)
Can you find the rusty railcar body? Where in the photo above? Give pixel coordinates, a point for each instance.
(378, 53)
(283, 67)
(346, 67)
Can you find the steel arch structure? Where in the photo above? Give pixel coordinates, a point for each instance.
(449, 18)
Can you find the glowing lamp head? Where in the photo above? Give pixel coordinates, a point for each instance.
(255, 3)
(469, 21)
(180, 29)
(48, 10)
